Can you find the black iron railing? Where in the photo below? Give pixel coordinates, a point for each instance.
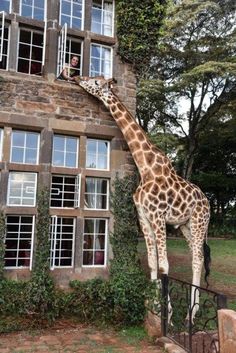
(198, 334)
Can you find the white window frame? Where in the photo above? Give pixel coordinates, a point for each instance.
(62, 49)
(71, 15)
(77, 151)
(24, 147)
(2, 15)
(1, 143)
(94, 250)
(56, 191)
(33, 6)
(96, 194)
(30, 45)
(22, 188)
(108, 154)
(53, 242)
(18, 239)
(102, 24)
(101, 73)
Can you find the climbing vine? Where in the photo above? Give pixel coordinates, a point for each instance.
(41, 291)
(138, 28)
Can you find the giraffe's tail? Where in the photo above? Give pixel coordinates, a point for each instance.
(207, 260)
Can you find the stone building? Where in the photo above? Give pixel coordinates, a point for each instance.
(53, 133)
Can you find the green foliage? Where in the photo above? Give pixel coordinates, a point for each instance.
(2, 244)
(138, 27)
(128, 282)
(41, 292)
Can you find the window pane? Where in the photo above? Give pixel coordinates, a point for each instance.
(18, 242)
(3, 63)
(97, 154)
(5, 5)
(65, 151)
(71, 13)
(22, 189)
(93, 242)
(24, 147)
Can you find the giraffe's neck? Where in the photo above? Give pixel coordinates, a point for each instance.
(139, 145)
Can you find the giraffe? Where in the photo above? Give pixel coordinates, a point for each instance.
(162, 197)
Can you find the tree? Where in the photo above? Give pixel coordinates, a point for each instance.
(215, 167)
(194, 71)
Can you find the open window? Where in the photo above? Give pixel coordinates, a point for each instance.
(62, 237)
(69, 47)
(4, 35)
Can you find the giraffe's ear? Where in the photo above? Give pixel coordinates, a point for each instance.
(111, 81)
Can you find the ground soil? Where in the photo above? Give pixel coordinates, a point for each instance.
(66, 337)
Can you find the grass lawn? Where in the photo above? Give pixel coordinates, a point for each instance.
(223, 266)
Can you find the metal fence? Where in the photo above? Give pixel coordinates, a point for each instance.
(199, 335)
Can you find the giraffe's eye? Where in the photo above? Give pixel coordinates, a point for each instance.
(96, 82)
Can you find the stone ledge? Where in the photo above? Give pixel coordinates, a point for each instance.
(169, 346)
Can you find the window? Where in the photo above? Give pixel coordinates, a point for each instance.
(62, 241)
(96, 193)
(100, 61)
(24, 147)
(4, 35)
(102, 17)
(65, 191)
(32, 8)
(72, 48)
(19, 241)
(94, 242)
(5, 5)
(30, 52)
(97, 154)
(65, 151)
(71, 12)
(22, 189)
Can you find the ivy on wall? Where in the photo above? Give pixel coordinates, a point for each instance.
(138, 27)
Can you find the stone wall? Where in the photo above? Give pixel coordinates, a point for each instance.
(36, 104)
(227, 330)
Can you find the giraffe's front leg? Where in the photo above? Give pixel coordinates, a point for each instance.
(150, 240)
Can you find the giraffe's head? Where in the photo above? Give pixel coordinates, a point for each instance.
(97, 86)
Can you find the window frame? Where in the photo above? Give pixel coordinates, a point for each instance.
(18, 240)
(100, 73)
(77, 151)
(102, 23)
(71, 15)
(22, 188)
(62, 52)
(108, 154)
(76, 193)
(1, 142)
(54, 239)
(31, 30)
(24, 147)
(96, 194)
(94, 235)
(33, 7)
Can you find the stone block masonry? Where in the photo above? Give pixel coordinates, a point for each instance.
(227, 330)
